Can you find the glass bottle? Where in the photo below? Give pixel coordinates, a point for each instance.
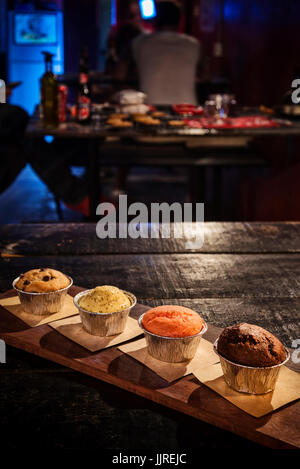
(84, 93)
(49, 94)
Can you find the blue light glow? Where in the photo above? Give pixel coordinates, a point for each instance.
(232, 10)
(148, 9)
(49, 138)
(25, 61)
(113, 13)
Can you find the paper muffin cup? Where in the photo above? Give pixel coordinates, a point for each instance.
(41, 304)
(172, 349)
(249, 379)
(104, 324)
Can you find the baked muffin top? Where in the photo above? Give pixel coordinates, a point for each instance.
(42, 280)
(172, 321)
(251, 345)
(105, 299)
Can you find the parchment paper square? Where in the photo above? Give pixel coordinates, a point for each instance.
(13, 305)
(287, 390)
(205, 355)
(72, 329)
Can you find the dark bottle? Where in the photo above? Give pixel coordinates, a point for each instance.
(49, 94)
(84, 94)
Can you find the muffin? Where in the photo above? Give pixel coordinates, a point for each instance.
(105, 299)
(43, 280)
(250, 345)
(172, 321)
(250, 357)
(172, 333)
(104, 310)
(42, 291)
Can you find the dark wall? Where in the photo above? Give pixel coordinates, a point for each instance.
(261, 47)
(81, 29)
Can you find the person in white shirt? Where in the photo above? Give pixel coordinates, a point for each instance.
(167, 60)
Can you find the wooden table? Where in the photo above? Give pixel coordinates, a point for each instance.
(244, 272)
(203, 148)
(74, 130)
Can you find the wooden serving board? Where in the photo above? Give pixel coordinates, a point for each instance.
(281, 429)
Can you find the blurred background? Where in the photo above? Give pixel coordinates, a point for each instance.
(249, 49)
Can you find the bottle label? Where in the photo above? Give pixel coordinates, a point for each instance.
(62, 103)
(83, 78)
(83, 108)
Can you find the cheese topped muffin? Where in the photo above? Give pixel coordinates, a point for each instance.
(250, 345)
(105, 299)
(172, 321)
(43, 280)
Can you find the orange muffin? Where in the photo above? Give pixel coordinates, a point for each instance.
(172, 321)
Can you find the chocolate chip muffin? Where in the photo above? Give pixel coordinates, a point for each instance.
(250, 345)
(42, 280)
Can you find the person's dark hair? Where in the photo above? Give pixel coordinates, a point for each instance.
(167, 14)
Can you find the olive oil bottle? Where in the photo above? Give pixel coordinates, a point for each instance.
(49, 94)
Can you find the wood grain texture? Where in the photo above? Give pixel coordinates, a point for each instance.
(279, 430)
(80, 238)
(174, 275)
(281, 316)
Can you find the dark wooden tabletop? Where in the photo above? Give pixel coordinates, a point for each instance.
(74, 130)
(244, 272)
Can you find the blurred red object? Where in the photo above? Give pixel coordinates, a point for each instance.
(232, 123)
(62, 103)
(83, 207)
(188, 109)
(73, 111)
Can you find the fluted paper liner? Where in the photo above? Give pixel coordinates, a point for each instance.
(72, 329)
(287, 390)
(170, 371)
(14, 306)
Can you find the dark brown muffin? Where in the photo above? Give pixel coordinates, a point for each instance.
(250, 345)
